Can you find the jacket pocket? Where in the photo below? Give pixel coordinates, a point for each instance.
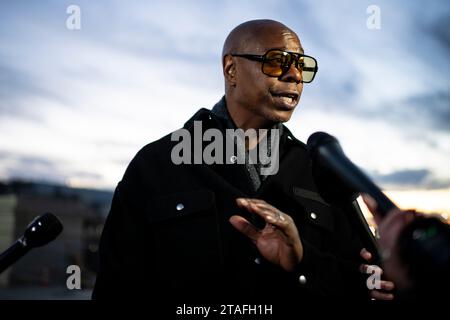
(184, 228)
(179, 205)
(318, 212)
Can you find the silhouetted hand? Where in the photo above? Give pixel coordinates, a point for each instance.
(385, 285)
(389, 229)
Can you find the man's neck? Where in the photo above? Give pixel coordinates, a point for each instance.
(245, 119)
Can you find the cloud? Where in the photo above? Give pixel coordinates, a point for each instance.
(410, 179)
(87, 100)
(16, 166)
(35, 168)
(433, 109)
(17, 86)
(398, 74)
(438, 28)
(428, 111)
(442, 32)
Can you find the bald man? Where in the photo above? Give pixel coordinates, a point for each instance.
(188, 222)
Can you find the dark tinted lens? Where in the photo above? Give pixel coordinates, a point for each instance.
(274, 62)
(277, 62)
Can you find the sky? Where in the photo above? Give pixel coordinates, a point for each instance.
(77, 104)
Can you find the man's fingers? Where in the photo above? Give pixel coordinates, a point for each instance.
(269, 213)
(377, 295)
(270, 216)
(387, 285)
(253, 200)
(370, 202)
(366, 255)
(245, 202)
(276, 218)
(245, 227)
(372, 206)
(364, 269)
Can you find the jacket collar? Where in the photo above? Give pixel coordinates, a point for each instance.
(237, 174)
(219, 112)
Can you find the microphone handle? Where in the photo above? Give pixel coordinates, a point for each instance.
(12, 254)
(357, 179)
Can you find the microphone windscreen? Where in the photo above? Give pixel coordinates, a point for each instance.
(318, 139)
(332, 188)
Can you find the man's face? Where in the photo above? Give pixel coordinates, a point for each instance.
(266, 96)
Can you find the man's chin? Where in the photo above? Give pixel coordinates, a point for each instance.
(281, 115)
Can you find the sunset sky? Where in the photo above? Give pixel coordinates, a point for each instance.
(76, 105)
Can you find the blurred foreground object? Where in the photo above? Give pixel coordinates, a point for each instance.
(414, 249)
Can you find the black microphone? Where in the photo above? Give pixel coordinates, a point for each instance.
(40, 231)
(326, 152)
(339, 181)
(424, 243)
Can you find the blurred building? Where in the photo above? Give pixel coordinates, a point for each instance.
(82, 213)
(7, 229)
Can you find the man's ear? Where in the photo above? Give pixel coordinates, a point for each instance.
(229, 70)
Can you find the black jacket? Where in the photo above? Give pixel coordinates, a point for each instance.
(149, 246)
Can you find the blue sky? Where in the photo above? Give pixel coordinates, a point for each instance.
(76, 105)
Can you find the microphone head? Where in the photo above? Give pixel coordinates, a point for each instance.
(42, 230)
(331, 188)
(318, 139)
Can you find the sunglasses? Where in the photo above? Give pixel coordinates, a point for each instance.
(276, 63)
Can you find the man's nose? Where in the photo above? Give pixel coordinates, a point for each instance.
(292, 75)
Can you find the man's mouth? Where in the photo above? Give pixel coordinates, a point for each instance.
(287, 98)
